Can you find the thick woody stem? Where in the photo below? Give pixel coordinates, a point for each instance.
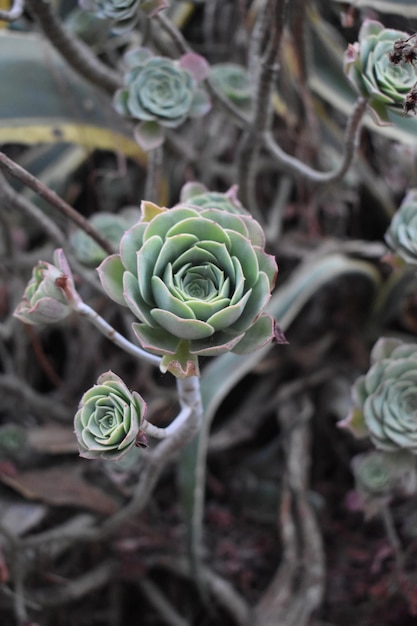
(74, 51)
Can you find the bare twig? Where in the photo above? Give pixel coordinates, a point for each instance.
(74, 51)
(25, 177)
(165, 609)
(39, 403)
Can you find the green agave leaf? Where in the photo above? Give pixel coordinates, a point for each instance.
(44, 100)
(328, 81)
(397, 7)
(223, 373)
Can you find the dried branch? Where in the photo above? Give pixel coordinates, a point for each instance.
(25, 177)
(74, 51)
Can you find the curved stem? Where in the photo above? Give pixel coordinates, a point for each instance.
(108, 331)
(25, 177)
(163, 433)
(294, 166)
(74, 51)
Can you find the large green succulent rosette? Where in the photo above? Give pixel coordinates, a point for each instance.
(402, 233)
(198, 279)
(387, 396)
(370, 70)
(108, 419)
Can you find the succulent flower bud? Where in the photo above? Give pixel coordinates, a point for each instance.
(50, 293)
(108, 419)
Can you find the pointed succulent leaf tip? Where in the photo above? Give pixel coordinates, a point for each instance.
(150, 210)
(108, 419)
(196, 282)
(387, 397)
(50, 295)
(402, 232)
(370, 67)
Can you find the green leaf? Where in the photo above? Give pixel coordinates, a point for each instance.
(44, 100)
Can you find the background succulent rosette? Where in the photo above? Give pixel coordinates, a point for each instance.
(198, 195)
(162, 93)
(108, 419)
(370, 70)
(402, 232)
(198, 279)
(386, 397)
(122, 14)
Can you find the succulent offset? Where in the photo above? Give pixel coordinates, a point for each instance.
(123, 14)
(198, 279)
(386, 396)
(368, 66)
(162, 93)
(197, 194)
(234, 82)
(47, 297)
(108, 419)
(110, 226)
(402, 232)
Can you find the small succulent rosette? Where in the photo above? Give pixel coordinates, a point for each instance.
(198, 279)
(162, 93)
(110, 226)
(385, 398)
(233, 82)
(198, 195)
(374, 76)
(380, 476)
(50, 293)
(108, 419)
(402, 232)
(122, 14)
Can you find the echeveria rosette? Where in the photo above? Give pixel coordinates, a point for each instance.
(402, 233)
(50, 293)
(123, 14)
(368, 67)
(162, 93)
(386, 397)
(108, 419)
(198, 279)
